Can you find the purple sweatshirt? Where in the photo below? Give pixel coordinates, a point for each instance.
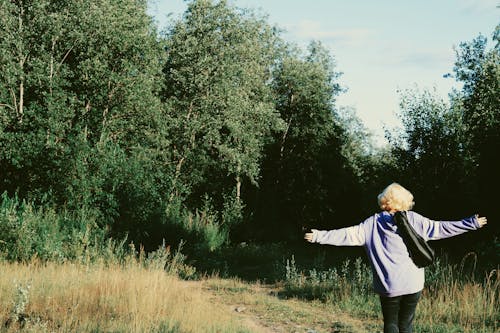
(394, 273)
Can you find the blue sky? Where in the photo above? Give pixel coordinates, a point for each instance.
(381, 46)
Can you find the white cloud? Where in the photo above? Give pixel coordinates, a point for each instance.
(478, 5)
(425, 58)
(308, 30)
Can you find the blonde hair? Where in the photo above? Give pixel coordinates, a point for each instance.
(395, 197)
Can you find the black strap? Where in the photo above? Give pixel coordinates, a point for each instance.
(420, 252)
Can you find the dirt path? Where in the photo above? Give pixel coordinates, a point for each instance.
(261, 310)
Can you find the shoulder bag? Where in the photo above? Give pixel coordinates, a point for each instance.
(420, 252)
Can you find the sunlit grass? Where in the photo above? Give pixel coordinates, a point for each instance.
(461, 301)
(454, 300)
(79, 298)
(131, 296)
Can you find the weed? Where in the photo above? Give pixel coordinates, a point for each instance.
(18, 313)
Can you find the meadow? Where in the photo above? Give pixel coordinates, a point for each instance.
(146, 294)
(69, 297)
(456, 297)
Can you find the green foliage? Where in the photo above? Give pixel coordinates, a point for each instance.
(28, 232)
(214, 131)
(18, 313)
(201, 230)
(65, 87)
(305, 173)
(79, 105)
(430, 153)
(216, 72)
(172, 263)
(478, 68)
(348, 286)
(337, 284)
(450, 149)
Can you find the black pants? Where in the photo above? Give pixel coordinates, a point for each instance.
(399, 312)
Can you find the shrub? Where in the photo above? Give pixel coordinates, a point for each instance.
(28, 231)
(201, 230)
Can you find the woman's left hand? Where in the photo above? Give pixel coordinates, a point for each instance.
(308, 237)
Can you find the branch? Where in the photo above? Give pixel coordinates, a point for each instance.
(7, 105)
(64, 58)
(15, 101)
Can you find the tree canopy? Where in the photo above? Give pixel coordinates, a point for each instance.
(217, 129)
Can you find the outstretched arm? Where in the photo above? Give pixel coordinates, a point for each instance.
(434, 230)
(351, 236)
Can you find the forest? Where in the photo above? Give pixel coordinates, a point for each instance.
(217, 132)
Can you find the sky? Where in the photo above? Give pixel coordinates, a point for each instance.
(383, 47)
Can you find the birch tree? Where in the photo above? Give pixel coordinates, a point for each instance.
(79, 103)
(219, 62)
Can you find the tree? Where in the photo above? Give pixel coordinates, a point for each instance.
(79, 105)
(429, 154)
(373, 166)
(217, 70)
(305, 174)
(446, 153)
(479, 70)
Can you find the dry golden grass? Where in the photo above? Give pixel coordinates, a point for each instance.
(115, 298)
(472, 305)
(77, 298)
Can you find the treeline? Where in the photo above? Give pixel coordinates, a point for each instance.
(213, 131)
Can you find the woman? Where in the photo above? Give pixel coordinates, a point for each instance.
(395, 277)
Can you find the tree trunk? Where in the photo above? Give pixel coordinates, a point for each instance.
(238, 188)
(22, 59)
(178, 167)
(238, 183)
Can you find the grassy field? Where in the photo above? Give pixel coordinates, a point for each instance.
(132, 297)
(456, 298)
(77, 298)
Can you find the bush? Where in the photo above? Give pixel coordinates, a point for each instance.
(201, 230)
(342, 282)
(348, 286)
(28, 231)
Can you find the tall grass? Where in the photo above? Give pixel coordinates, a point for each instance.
(347, 287)
(458, 298)
(68, 297)
(455, 299)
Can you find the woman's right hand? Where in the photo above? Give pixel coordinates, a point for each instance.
(309, 237)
